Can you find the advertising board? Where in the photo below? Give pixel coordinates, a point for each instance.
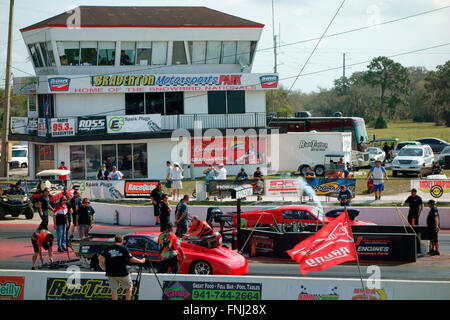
(135, 123)
(12, 288)
(63, 127)
(139, 188)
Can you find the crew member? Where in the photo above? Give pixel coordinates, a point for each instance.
(43, 206)
(415, 207)
(165, 211)
(85, 219)
(169, 247)
(156, 199)
(41, 239)
(75, 204)
(199, 229)
(182, 216)
(62, 167)
(433, 228)
(345, 196)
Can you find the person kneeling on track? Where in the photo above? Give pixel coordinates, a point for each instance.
(41, 239)
(199, 229)
(168, 246)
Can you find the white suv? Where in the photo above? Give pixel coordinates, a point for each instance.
(413, 159)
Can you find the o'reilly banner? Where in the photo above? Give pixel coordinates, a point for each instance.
(91, 125)
(137, 123)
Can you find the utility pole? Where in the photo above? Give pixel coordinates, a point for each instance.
(4, 165)
(343, 65)
(274, 52)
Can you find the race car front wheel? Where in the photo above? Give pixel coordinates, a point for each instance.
(200, 267)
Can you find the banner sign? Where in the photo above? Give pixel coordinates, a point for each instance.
(137, 123)
(124, 83)
(321, 186)
(139, 188)
(201, 290)
(88, 289)
(33, 126)
(91, 125)
(333, 292)
(11, 288)
(99, 189)
(63, 127)
(438, 189)
(228, 151)
(42, 127)
(223, 187)
(19, 125)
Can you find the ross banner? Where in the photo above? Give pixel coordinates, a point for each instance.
(88, 289)
(11, 288)
(202, 290)
(19, 125)
(321, 186)
(99, 189)
(438, 189)
(333, 292)
(62, 127)
(91, 125)
(136, 123)
(139, 188)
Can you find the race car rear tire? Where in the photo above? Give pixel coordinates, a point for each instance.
(2, 213)
(200, 267)
(29, 213)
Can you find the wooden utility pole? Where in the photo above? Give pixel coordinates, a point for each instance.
(4, 164)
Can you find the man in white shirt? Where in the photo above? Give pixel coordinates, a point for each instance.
(377, 172)
(221, 173)
(169, 178)
(115, 174)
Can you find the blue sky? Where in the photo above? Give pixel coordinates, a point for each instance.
(295, 20)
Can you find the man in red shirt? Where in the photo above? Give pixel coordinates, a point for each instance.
(41, 239)
(169, 247)
(199, 229)
(62, 167)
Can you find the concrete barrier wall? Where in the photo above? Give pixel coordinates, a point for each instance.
(272, 288)
(143, 215)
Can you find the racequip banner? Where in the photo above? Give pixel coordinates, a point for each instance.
(137, 123)
(91, 125)
(11, 288)
(331, 245)
(139, 188)
(321, 186)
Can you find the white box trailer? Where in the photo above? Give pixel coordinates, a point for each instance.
(298, 150)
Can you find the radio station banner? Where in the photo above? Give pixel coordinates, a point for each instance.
(19, 125)
(88, 289)
(11, 288)
(122, 83)
(99, 189)
(62, 127)
(139, 188)
(202, 290)
(438, 189)
(136, 123)
(222, 187)
(336, 292)
(91, 125)
(321, 186)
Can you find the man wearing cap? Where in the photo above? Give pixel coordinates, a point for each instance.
(242, 175)
(169, 248)
(62, 167)
(433, 228)
(345, 196)
(102, 173)
(415, 207)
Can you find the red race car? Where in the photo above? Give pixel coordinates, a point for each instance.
(205, 257)
(305, 214)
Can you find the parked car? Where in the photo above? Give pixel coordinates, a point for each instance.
(413, 159)
(19, 157)
(437, 145)
(400, 145)
(376, 154)
(444, 153)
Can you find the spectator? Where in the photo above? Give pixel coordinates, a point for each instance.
(62, 167)
(332, 165)
(156, 199)
(114, 261)
(377, 172)
(125, 59)
(221, 173)
(258, 175)
(242, 175)
(169, 177)
(199, 229)
(211, 174)
(115, 174)
(182, 217)
(310, 173)
(165, 211)
(343, 167)
(69, 215)
(43, 206)
(75, 204)
(387, 151)
(436, 168)
(85, 218)
(433, 225)
(41, 239)
(415, 207)
(177, 177)
(61, 222)
(169, 247)
(103, 173)
(345, 196)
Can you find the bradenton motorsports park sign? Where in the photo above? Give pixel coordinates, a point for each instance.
(123, 83)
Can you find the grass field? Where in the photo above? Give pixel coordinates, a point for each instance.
(409, 131)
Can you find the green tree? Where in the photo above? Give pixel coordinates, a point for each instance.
(437, 86)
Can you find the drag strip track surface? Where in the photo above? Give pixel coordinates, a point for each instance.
(16, 252)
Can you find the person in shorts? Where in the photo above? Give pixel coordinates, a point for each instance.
(169, 178)
(114, 261)
(156, 199)
(41, 239)
(177, 176)
(377, 173)
(433, 228)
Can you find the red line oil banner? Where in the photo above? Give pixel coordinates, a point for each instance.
(438, 189)
(336, 292)
(139, 188)
(88, 289)
(11, 288)
(201, 290)
(228, 151)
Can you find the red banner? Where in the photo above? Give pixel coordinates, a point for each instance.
(331, 245)
(11, 288)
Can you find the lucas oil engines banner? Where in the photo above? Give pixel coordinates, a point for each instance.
(321, 186)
